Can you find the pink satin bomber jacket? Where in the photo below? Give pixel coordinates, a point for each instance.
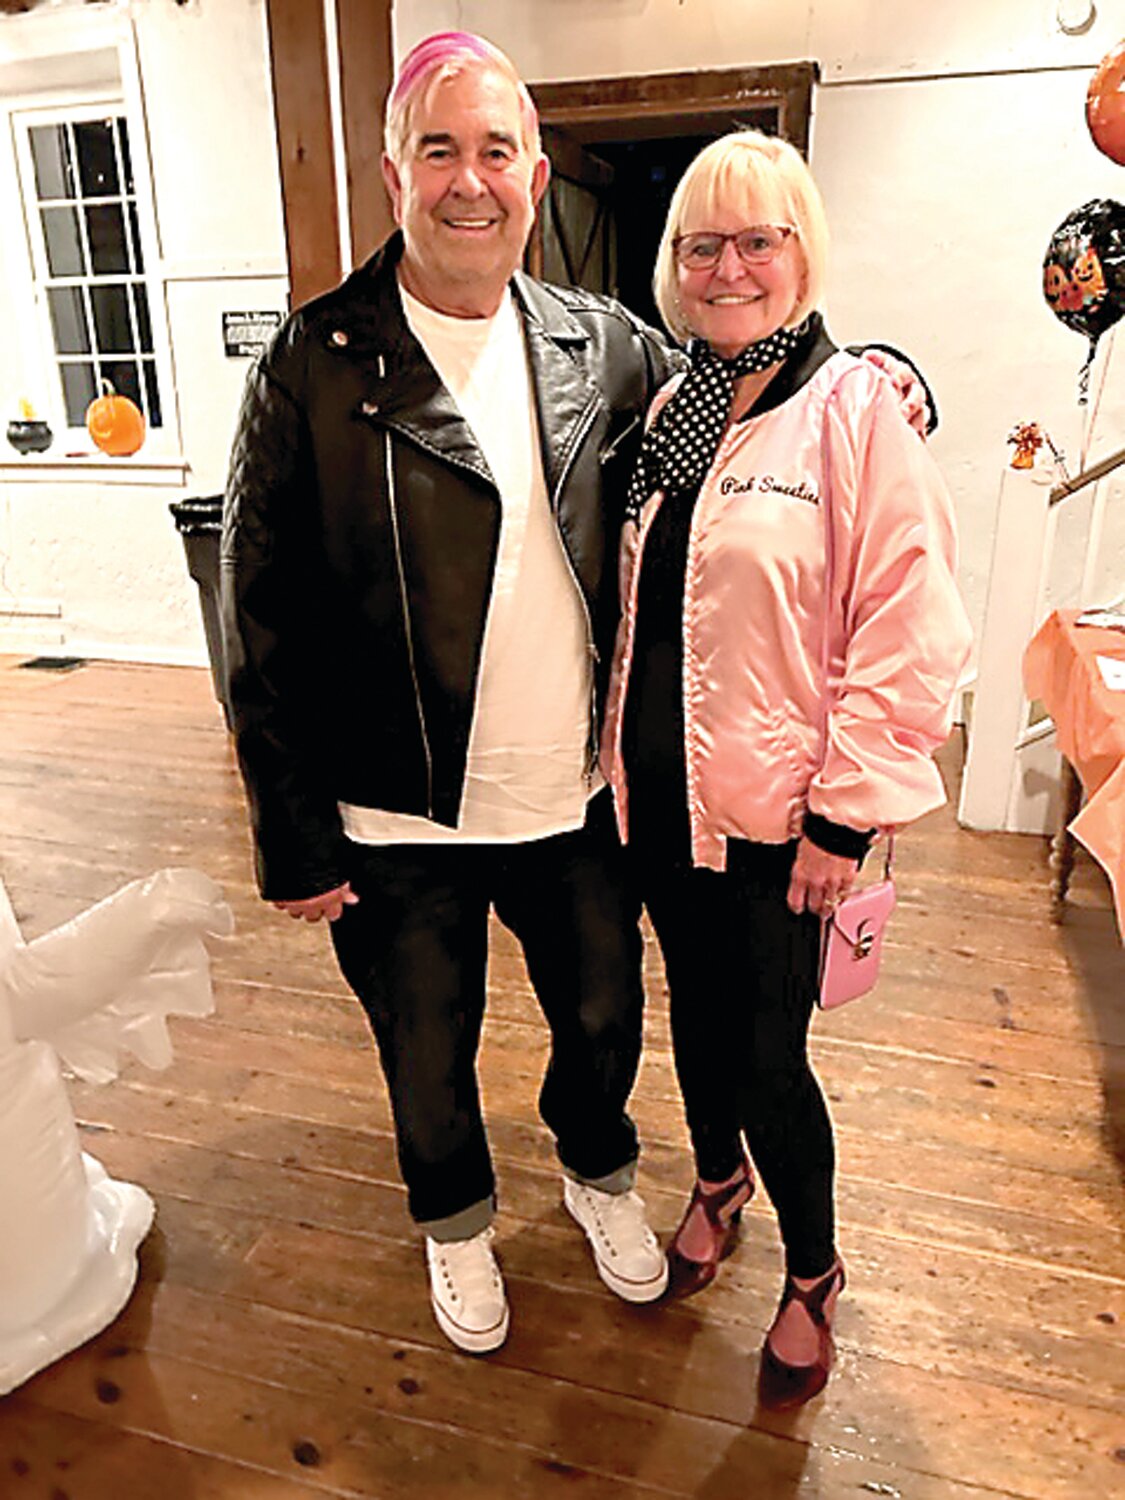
(753, 621)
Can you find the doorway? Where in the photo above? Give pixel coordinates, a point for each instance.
(618, 146)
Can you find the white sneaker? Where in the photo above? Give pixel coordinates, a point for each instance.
(626, 1252)
(467, 1292)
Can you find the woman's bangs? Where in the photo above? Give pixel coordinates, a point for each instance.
(742, 183)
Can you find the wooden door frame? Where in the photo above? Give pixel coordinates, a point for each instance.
(657, 104)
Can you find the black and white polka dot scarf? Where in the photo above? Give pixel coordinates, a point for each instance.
(681, 444)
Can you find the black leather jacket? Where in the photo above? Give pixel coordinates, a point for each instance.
(359, 539)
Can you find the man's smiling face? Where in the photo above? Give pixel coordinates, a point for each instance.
(465, 193)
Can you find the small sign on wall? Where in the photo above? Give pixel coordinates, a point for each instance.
(246, 334)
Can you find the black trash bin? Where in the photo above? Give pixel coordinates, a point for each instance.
(200, 522)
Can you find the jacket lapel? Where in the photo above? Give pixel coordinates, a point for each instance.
(564, 395)
(402, 390)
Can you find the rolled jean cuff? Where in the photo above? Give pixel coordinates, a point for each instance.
(614, 1182)
(462, 1225)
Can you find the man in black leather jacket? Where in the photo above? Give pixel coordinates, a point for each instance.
(372, 565)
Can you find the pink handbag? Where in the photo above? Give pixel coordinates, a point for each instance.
(851, 938)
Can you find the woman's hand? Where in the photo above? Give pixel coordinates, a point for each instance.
(329, 905)
(819, 879)
(913, 400)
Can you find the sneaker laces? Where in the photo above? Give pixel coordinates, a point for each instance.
(468, 1266)
(621, 1220)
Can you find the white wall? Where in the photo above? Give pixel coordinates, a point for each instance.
(943, 195)
(94, 567)
(209, 109)
(97, 540)
(949, 141)
(852, 39)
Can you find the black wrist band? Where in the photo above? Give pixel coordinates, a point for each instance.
(837, 838)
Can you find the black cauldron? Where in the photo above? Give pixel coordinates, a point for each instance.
(29, 436)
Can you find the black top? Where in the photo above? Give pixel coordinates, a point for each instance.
(653, 721)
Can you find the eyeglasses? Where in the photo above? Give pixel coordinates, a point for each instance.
(756, 246)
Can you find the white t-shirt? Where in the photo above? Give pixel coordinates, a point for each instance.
(526, 772)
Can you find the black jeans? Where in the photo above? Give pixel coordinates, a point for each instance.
(414, 950)
(742, 971)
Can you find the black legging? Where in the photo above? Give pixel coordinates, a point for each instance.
(742, 979)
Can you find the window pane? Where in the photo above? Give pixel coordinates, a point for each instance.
(155, 418)
(135, 238)
(54, 171)
(144, 322)
(68, 318)
(79, 389)
(64, 246)
(112, 328)
(126, 159)
(122, 375)
(97, 159)
(105, 226)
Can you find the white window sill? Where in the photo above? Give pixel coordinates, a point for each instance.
(97, 468)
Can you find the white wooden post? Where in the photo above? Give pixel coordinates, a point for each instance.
(1020, 555)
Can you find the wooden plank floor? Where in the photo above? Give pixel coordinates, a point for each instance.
(280, 1342)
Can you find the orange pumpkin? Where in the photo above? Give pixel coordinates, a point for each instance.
(115, 423)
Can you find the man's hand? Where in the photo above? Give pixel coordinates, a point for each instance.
(329, 905)
(819, 879)
(911, 392)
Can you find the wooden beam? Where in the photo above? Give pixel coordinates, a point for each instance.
(366, 70)
(299, 64)
(1104, 466)
(665, 104)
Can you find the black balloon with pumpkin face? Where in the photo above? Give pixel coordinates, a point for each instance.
(1084, 269)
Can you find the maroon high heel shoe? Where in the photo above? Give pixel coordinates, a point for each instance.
(723, 1212)
(782, 1386)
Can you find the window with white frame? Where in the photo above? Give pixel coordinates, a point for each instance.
(88, 256)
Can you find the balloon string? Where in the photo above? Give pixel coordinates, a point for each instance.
(1084, 379)
(1093, 415)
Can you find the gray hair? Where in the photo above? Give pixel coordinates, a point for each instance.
(441, 56)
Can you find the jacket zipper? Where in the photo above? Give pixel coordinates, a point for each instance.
(629, 604)
(687, 655)
(594, 737)
(392, 501)
(607, 453)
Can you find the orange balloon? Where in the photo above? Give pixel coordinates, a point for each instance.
(115, 423)
(1105, 104)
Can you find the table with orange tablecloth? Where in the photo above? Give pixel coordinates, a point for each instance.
(1061, 670)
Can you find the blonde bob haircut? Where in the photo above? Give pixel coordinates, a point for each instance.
(444, 55)
(760, 180)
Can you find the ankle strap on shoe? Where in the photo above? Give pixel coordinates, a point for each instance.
(713, 1203)
(813, 1298)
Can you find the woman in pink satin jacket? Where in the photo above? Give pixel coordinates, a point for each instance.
(748, 811)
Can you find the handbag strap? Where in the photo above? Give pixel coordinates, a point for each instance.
(829, 585)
